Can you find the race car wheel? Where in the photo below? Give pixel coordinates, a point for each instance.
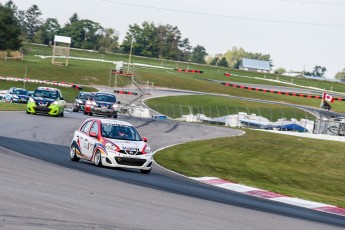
(90, 113)
(144, 171)
(61, 114)
(73, 154)
(75, 109)
(85, 113)
(98, 159)
(115, 115)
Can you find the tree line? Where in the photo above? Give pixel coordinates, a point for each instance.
(147, 39)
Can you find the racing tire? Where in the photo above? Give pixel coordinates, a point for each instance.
(61, 114)
(145, 171)
(90, 113)
(27, 112)
(115, 115)
(98, 159)
(75, 110)
(73, 154)
(85, 113)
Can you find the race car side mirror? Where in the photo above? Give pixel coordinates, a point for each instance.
(93, 134)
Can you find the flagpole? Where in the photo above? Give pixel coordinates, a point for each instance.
(322, 99)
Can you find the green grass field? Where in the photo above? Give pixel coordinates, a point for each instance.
(12, 107)
(213, 106)
(299, 167)
(305, 168)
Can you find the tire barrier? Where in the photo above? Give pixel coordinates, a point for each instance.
(55, 83)
(189, 70)
(277, 92)
(125, 92)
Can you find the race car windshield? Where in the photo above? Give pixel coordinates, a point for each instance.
(45, 94)
(105, 97)
(84, 96)
(120, 132)
(20, 92)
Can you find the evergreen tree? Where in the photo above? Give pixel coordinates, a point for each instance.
(9, 29)
(33, 21)
(198, 54)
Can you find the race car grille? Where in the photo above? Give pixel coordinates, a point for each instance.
(129, 152)
(42, 104)
(104, 106)
(42, 109)
(130, 161)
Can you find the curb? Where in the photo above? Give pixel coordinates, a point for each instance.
(251, 191)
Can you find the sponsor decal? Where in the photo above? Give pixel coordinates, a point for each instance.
(43, 103)
(130, 150)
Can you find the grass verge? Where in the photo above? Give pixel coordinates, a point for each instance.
(12, 107)
(213, 106)
(299, 167)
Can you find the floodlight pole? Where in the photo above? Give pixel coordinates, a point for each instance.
(25, 73)
(130, 55)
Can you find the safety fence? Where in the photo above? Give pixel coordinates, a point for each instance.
(285, 119)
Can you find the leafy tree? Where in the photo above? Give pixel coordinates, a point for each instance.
(33, 21)
(48, 30)
(214, 61)
(340, 75)
(199, 54)
(108, 41)
(280, 71)
(163, 41)
(235, 56)
(318, 71)
(185, 50)
(9, 28)
(144, 40)
(84, 33)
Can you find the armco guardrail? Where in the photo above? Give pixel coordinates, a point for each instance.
(55, 83)
(277, 92)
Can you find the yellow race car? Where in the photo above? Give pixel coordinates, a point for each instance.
(46, 100)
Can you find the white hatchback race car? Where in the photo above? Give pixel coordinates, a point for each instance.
(111, 143)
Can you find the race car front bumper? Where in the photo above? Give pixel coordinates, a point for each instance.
(52, 110)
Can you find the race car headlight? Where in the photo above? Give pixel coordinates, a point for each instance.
(55, 103)
(31, 100)
(112, 147)
(94, 103)
(146, 149)
(15, 97)
(80, 101)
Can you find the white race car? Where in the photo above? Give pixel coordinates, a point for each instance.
(111, 143)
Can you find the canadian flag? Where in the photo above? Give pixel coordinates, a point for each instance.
(327, 97)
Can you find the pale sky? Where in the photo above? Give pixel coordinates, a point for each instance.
(296, 33)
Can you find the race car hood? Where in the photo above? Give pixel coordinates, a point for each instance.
(26, 97)
(22, 97)
(43, 101)
(104, 103)
(128, 145)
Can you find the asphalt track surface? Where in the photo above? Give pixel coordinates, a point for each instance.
(40, 188)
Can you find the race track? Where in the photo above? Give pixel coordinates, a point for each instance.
(40, 188)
